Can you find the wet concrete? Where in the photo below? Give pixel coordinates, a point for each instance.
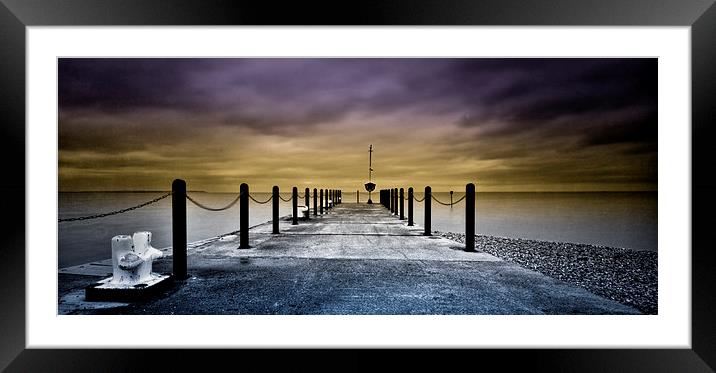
(357, 259)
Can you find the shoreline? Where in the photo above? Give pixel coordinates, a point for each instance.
(624, 275)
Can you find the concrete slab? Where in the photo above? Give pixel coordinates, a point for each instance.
(74, 303)
(349, 231)
(101, 268)
(287, 286)
(335, 246)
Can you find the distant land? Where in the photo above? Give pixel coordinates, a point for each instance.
(127, 191)
(364, 192)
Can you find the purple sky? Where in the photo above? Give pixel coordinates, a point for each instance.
(506, 124)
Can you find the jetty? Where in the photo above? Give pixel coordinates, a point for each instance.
(346, 258)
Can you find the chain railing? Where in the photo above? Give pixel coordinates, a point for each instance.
(389, 198)
(102, 215)
(447, 204)
(192, 200)
(236, 200)
(261, 202)
(179, 217)
(416, 199)
(200, 205)
(394, 203)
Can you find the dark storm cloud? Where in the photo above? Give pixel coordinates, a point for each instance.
(254, 93)
(519, 94)
(113, 84)
(509, 114)
(572, 97)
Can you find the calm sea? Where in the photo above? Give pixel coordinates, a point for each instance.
(612, 219)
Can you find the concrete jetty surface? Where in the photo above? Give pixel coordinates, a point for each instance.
(356, 259)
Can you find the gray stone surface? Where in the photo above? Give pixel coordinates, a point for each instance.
(357, 259)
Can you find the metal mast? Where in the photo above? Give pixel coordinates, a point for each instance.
(370, 163)
(369, 186)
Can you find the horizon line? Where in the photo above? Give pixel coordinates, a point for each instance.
(364, 192)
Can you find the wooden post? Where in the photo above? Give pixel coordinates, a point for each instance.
(395, 196)
(470, 217)
(274, 208)
(410, 206)
(321, 201)
(179, 229)
(244, 216)
(392, 201)
(357, 196)
(315, 201)
(295, 206)
(326, 196)
(451, 199)
(428, 199)
(307, 197)
(402, 205)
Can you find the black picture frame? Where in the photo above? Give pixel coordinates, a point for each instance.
(16, 15)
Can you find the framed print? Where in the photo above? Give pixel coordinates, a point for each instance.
(491, 176)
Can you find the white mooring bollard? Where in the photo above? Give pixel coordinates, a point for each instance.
(132, 276)
(132, 259)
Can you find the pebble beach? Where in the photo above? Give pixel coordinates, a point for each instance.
(624, 275)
